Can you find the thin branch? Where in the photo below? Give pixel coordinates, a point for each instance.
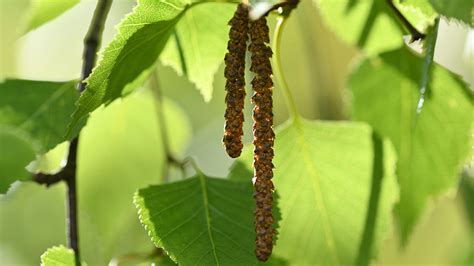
(415, 34)
(93, 39)
(70, 178)
(68, 173)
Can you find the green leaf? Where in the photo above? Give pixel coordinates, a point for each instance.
(33, 119)
(58, 256)
(42, 11)
(423, 6)
(362, 23)
(457, 9)
(432, 145)
(130, 57)
(366, 23)
(16, 151)
(419, 12)
(214, 224)
(336, 186)
(199, 44)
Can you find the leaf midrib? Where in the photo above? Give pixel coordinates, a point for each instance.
(202, 181)
(316, 185)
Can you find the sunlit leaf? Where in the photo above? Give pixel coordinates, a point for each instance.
(214, 224)
(59, 256)
(431, 146)
(199, 44)
(336, 186)
(129, 58)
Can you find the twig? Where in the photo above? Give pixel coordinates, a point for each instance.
(415, 34)
(93, 39)
(68, 173)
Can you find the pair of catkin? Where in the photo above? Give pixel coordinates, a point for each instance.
(263, 133)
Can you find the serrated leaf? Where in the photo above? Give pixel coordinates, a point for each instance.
(59, 256)
(43, 11)
(198, 47)
(201, 220)
(423, 6)
(323, 174)
(431, 146)
(33, 119)
(461, 10)
(419, 12)
(141, 38)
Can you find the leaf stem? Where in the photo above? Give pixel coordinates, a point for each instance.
(427, 65)
(276, 43)
(156, 89)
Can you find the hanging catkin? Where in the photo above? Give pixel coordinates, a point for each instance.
(263, 137)
(235, 84)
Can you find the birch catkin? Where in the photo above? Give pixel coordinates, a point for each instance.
(235, 85)
(263, 137)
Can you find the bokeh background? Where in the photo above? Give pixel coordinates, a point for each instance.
(121, 147)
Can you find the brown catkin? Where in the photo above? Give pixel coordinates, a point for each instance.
(263, 137)
(235, 85)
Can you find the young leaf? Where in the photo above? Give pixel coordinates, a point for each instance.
(59, 256)
(213, 224)
(141, 38)
(432, 145)
(42, 11)
(33, 119)
(199, 44)
(326, 175)
(456, 9)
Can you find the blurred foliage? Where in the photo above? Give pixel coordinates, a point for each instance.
(429, 156)
(316, 63)
(42, 11)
